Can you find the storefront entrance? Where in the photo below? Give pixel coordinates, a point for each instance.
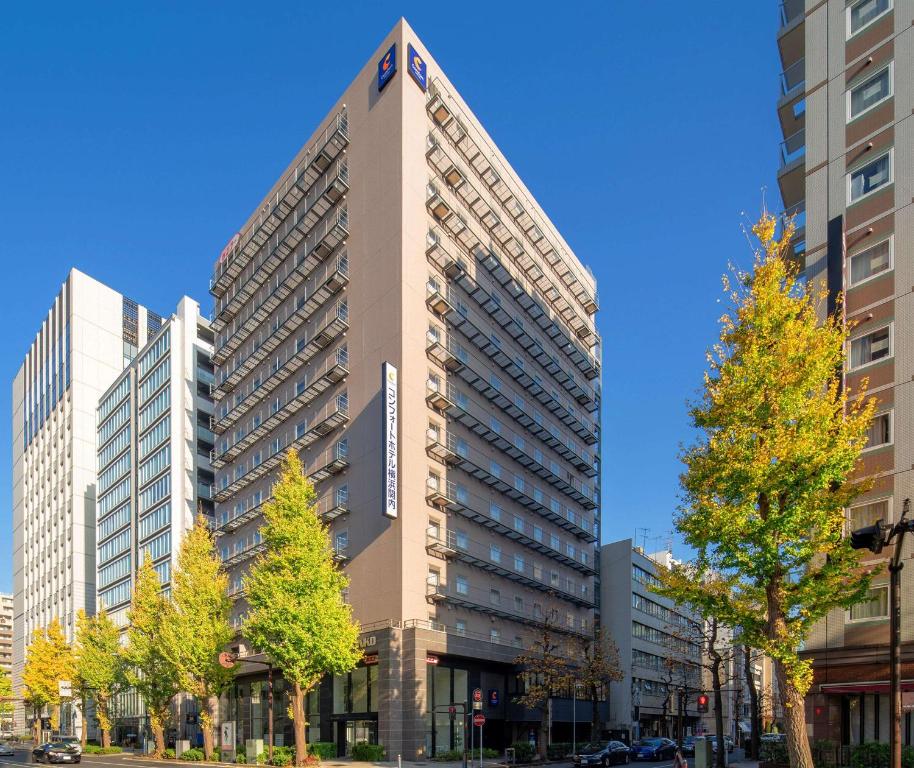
(351, 732)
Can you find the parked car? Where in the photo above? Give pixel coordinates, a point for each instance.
(774, 737)
(656, 748)
(728, 742)
(6, 750)
(602, 753)
(688, 746)
(73, 741)
(55, 752)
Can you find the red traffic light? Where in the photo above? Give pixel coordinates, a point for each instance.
(702, 702)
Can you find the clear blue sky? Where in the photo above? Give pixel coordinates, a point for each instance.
(136, 137)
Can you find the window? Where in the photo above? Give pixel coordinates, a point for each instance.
(873, 346)
(434, 577)
(879, 432)
(494, 597)
(519, 563)
(495, 511)
(537, 533)
(461, 626)
(874, 606)
(872, 91)
(463, 541)
(518, 524)
(861, 14)
(494, 635)
(463, 586)
(864, 515)
(871, 262)
(495, 553)
(518, 604)
(869, 178)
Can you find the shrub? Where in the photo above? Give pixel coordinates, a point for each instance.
(91, 749)
(773, 752)
(169, 754)
(216, 756)
(558, 749)
(523, 751)
(367, 752)
(112, 750)
(326, 750)
(192, 755)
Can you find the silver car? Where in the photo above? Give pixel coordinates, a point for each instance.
(6, 750)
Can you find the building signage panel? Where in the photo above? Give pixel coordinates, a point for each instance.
(391, 419)
(493, 697)
(415, 64)
(227, 736)
(229, 248)
(387, 66)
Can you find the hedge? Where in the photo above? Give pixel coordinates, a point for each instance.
(326, 750)
(523, 751)
(192, 755)
(364, 751)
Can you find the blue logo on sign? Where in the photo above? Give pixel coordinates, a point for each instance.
(493, 697)
(416, 66)
(387, 66)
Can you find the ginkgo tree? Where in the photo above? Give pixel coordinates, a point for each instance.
(297, 615)
(771, 473)
(49, 660)
(99, 666)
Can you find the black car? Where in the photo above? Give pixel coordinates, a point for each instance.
(55, 752)
(602, 753)
(655, 748)
(688, 746)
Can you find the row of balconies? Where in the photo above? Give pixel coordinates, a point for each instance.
(479, 600)
(480, 466)
(336, 371)
(308, 273)
(335, 415)
(451, 545)
(441, 254)
(442, 112)
(453, 497)
(292, 189)
(456, 359)
(329, 326)
(320, 240)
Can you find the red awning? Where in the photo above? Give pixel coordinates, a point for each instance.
(875, 686)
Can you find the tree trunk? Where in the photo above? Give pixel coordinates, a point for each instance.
(207, 721)
(83, 724)
(594, 714)
(755, 735)
(544, 740)
(103, 720)
(794, 720)
(36, 727)
(718, 712)
(298, 724)
(158, 736)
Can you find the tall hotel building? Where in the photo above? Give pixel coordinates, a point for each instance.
(154, 475)
(90, 333)
(462, 491)
(847, 114)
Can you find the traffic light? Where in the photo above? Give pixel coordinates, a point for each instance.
(871, 537)
(702, 702)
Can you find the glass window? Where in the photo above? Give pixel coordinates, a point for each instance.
(495, 553)
(463, 541)
(874, 606)
(879, 431)
(461, 626)
(864, 12)
(871, 262)
(864, 515)
(873, 346)
(869, 93)
(494, 597)
(359, 689)
(339, 693)
(869, 178)
(463, 586)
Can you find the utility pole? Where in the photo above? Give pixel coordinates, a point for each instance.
(874, 538)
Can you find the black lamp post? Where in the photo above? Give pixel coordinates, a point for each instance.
(874, 538)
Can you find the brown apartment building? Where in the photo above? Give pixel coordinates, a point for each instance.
(847, 114)
(400, 310)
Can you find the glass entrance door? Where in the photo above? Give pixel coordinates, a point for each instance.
(354, 731)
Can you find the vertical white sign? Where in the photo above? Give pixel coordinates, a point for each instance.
(391, 417)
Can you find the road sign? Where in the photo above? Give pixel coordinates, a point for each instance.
(65, 689)
(227, 659)
(477, 694)
(479, 719)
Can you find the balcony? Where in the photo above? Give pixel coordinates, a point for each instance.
(792, 175)
(479, 600)
(479, 466)
(451, 545)
(334, 416)
(793, 79)
(330, 326)
(244, 554)
(436, 299)
(442, 352)
(334, 462)
(340, 553)
(334, 373)
(789, 11)
(333, 506)
(435, 395)
(791, 34)
(293, 188)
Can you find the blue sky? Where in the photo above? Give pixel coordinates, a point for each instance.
(137, 136)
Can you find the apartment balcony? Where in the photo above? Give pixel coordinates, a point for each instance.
(333, 506)
(442, 352)
(438, 449)
(314, 241)
(243, 555)
(292, 190)
(478, 157)
(236, 592)
(331, 325)
(232, 520)
(792, 173)
(798, 213)
(480, 601)
(437, 300)
(480, 466)
(335, 373)
(452, 546)
(436, 395)
(791, 34)
(340, 553)
(494, 352)
(335, 460)
(334, 417)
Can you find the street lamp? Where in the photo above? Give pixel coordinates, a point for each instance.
(874, 538)
(229, 660)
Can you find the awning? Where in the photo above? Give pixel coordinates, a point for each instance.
(871, 686)
(745, 727)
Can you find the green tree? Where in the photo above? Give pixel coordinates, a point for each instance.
(546, 672)
(148, 669)
(99, 665)
(294, 589)
(768, 480)
(199, 629)
(48, 661)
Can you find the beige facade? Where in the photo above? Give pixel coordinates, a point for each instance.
(848, 171)
(399, 234)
